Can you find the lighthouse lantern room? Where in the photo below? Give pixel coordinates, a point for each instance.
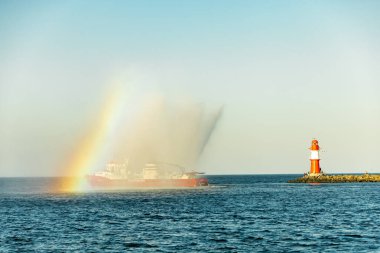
(314, 159)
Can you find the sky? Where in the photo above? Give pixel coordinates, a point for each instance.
(284, 72)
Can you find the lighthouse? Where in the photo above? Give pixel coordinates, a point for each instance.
(314, 158)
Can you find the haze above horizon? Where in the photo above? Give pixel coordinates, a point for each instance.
(285, 72)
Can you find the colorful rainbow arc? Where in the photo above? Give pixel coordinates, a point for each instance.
(91, 146)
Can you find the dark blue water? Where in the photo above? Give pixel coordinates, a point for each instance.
(237, 214)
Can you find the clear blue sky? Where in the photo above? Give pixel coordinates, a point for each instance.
(286, 71)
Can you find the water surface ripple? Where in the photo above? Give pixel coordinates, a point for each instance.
(238, 214)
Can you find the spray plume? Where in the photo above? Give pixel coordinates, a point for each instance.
(170, 134)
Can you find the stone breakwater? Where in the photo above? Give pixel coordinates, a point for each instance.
(365, 178)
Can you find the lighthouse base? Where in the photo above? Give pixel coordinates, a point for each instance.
(314, 174)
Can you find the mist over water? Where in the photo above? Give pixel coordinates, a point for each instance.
(171, 134)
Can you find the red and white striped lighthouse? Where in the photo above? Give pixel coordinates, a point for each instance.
(314, 158)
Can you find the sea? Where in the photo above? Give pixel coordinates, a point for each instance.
(237, 213)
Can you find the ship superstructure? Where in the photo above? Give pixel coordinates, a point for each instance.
(153, 175)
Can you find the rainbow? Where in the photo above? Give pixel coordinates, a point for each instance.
(91, 146)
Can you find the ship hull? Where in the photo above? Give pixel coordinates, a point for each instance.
(103, 182)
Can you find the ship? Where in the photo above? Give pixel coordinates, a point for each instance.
(153, 175)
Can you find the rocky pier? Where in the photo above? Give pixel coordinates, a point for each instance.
(324, 178)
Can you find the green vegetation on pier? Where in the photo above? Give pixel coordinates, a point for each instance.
(323, 178)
